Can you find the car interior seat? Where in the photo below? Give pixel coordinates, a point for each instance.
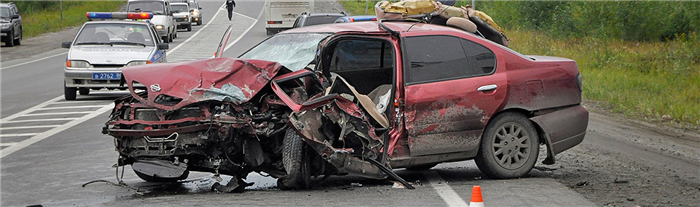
(380, 97)
(135, 37)
(101, 37)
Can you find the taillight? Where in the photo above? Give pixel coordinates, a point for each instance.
(579, 82)
(68, 63)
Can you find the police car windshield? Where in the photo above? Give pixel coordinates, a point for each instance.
(155, 7)
(179, 8)
(106, 33)
(5, 12)
(294, 51)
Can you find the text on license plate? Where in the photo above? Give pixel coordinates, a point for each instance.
(106, 76)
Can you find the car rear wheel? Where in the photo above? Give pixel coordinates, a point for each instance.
(10, 41)
(296, 163)
(84, 91)
(69, 92)
(509, 147)
(18, 41)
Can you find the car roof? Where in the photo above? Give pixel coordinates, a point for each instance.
(180, 3)
(325, 14)
(370, 27)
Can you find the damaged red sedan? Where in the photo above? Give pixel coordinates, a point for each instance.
(359, 98)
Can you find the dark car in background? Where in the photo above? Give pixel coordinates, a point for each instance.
(308, 19)
(11, 24)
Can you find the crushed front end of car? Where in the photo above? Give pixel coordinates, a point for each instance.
(217, 115)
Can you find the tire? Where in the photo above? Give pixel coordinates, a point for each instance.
(84, 91)
(166, 38)
(10, 42)
(296, 163)
(69, 93)
(189, 27)
(502, 134)
(149, 178)
(18, 41)
(421, 167)
(200, 21)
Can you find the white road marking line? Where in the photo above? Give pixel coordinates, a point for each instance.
(9, 150)
(18, 135)
(7, 144)
(68, 107)
(34, 108)
(244, 32)
(443, 189)
(195, 34)
(57, 113)
(76, 102)
(29, 127)
(40, 59)
(36, 120)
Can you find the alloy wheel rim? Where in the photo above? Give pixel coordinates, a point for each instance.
(511, 146)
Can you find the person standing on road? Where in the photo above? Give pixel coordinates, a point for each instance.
(229, 6)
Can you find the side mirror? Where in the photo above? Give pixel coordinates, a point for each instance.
(200, 8)
(15, 16)
(66, 44)
(191, 10)
(163, 46)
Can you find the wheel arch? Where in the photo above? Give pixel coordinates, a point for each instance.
(543, 138)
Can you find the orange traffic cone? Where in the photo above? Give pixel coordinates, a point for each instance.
(476, 201)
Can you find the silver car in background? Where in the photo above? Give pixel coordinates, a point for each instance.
(181, 12)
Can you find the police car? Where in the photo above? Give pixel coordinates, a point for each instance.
(103, 46)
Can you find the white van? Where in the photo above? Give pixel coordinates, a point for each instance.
(162, 16)
(281, 14)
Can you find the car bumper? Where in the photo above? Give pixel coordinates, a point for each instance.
(83, 78)
(163, 33)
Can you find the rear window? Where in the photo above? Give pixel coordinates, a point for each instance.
(316, 20)
(179, 8)
(155, 7)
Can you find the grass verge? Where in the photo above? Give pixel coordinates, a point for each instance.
(43, 20)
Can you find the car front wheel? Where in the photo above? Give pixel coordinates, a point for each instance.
(10, 39)
(18, 41)
(509, 147)
(296, 163)
(69, 92)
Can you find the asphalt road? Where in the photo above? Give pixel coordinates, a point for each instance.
(51, 147)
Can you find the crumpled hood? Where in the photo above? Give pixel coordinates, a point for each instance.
(219, 79)
(105, 54)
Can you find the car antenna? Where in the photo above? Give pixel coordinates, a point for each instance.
(393, 32)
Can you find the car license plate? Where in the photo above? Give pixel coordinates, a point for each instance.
(106, 76)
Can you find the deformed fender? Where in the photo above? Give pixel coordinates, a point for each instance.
(562, 129)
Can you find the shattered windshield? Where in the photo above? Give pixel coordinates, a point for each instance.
(293, 51)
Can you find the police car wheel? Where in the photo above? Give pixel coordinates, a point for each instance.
(84, 91)
(69, 93)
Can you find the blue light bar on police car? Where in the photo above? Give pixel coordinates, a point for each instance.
(118, 15)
